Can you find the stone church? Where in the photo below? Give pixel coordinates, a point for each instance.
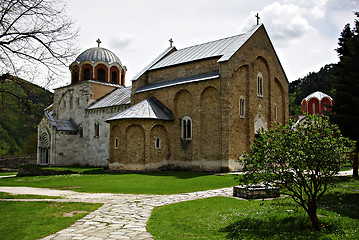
(195, 108)
(199, 107)
(73, 129)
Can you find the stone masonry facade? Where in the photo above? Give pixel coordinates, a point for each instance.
(220, 132)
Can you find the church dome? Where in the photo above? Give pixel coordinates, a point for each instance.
(98, 54)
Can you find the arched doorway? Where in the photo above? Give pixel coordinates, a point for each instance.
(44, 149)
(259, 124)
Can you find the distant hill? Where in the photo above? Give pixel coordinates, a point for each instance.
(314, 81)
(21, 109)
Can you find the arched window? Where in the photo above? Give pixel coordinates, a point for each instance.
(186, 125)
(114, 77)
(101, 75)
(87, 74)
(241, 107)
(260, 85)
(117, 143)
(123, 77)
(75, 75)
(158, 143)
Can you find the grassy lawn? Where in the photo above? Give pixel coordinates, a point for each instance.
(134, 183)
(33, 220)
(7, 173)
(230, 218)
(25, 196)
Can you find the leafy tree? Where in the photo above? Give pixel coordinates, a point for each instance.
(21, 108)
(345, 111)
(301, 158)
(34, 35)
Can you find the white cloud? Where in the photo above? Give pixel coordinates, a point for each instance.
(123, 41)
(286, 22)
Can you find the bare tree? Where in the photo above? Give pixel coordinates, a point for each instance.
(35, 32)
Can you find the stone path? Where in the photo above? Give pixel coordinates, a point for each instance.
(123, 216)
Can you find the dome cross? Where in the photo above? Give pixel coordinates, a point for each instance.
(98, 42)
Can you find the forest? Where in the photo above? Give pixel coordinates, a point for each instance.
(21, 109)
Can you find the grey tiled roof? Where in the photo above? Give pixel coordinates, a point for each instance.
(116, 97)
(61, 125)
(65, 125)
(223, 48)
(178, 81)
(97, 54)
(149, 108)
(163, 54)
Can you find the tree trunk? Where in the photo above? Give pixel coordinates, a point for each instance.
(312, 212)
(355, 165)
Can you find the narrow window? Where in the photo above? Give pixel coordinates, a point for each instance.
(313, 105)
(101, 75)
(158, 143)
(87, 74)
(186, 128)
(275, 113)
(81, 131)
(260, 85)
(114, 77)
(97, 130)
(71, 103)
(116, 143)
(241, 108)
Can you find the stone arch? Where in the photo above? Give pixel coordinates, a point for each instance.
(262, 66)
(210, 128)
(75, 74)
(279, 99)
(183, 105)
(44, 147)
(101, 73)
(325, 102)
(135, 144)
(123, 77)
(160, 153)
(114, 75)
(86, 72)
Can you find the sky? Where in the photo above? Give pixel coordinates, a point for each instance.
(304, 33)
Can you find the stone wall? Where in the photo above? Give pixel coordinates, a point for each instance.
(14, 162)
(219, 133)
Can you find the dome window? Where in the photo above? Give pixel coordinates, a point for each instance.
(101, 75)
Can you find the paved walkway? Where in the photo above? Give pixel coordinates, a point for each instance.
(123, 216)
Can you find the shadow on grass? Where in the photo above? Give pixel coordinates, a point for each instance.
(343, 204)
(177, 174)
(291, 227)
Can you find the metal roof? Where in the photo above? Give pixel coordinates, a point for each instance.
(223, 48)
(149, 108)
(168, 50)
(319, 95)
(116, 97)
(98, 54)
(61, 125)
(178, 81)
